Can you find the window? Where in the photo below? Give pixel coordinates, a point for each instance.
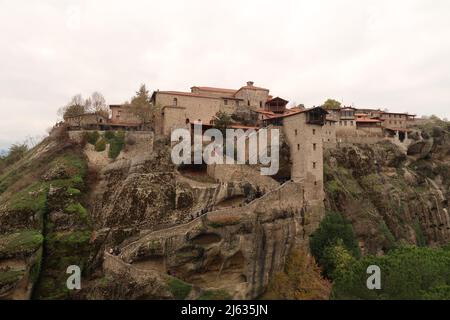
(314, 165)
(248, 103)
(314, 131)
(314, 146)
(298, 147)
(296, 132)
(175, 102)
(260, 104)
(226, 102)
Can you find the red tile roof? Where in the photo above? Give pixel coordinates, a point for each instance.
(212, 89)
(187, 94)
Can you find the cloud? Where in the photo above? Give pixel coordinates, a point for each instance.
(391, 54)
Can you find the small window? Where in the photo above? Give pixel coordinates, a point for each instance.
(314, 165)
(314, 131)
(226, 102)
(260, 104)
(298, 147)
(314, 146)
(248, 103)
(175, 102)
(296, 132)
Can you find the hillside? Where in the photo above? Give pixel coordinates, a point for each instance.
(138, 227)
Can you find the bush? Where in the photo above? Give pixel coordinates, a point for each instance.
(109, 135)
(116, 145)
(77, 208)
(300, 280)
(333, 230)
(73, 192)
(178, 288)
(100, 146)
(92, 137)
(408, 273)
(15, 153)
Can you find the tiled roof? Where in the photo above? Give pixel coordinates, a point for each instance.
(212, 89)
(187, 94)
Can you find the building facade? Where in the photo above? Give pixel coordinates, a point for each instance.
(179, 109)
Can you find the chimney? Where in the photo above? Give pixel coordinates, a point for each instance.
(250, 83)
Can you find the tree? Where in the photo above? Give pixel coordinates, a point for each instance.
(300, 280)
(333, 230)
(75, 107)
(222, 121)
(140, 105)
(16, 152)
(331, 104)
(98, 104)
(408, 273)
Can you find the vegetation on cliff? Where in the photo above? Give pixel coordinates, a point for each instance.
(43, 221)
(301, 279)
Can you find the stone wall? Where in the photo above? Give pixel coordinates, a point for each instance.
(189, 109)
(255, 98)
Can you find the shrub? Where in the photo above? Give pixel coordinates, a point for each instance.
(116, 145)
(109, 135)
(92, 137)
(301, 279)
(408, 273)
(178, 288)
(73, 192)
(333, 230)
(77, 208)
(15, 153)
(100, 146)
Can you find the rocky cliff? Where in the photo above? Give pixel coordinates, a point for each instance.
(140, 228)
(392, 197)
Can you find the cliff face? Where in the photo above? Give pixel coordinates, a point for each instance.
(140, 228)
(205, 237)
(390, 197)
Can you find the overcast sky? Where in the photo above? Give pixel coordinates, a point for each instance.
(387, 54)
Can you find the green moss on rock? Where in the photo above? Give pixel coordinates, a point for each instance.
(178, 288)
(25, 242)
